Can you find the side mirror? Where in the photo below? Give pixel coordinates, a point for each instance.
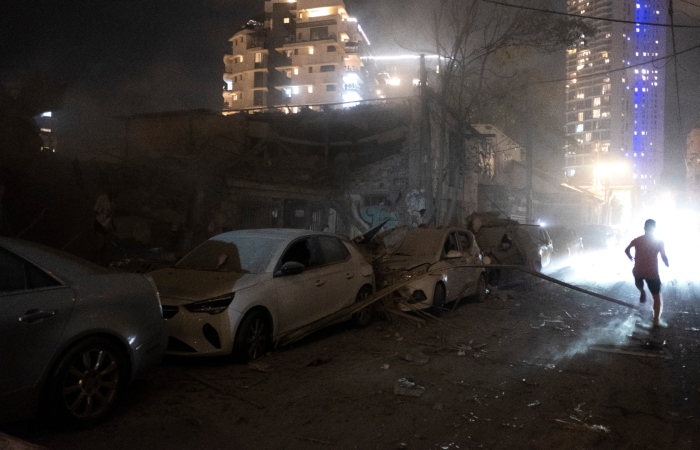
(290, 268)
(453, 254)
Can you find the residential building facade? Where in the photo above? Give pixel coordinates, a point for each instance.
(297, 54)
(615, 96)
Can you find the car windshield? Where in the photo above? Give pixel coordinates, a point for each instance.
(413, 241)
(247, 254)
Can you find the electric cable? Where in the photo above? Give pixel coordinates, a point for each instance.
(579, 16)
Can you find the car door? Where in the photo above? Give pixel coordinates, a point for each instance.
(301, 295)
(454, 279)
(34, 309)
(342, 272)
(470, 257)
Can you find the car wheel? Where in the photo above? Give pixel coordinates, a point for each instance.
(254, 337)
(480, 293)
(88, 381)
(365, 316)
(438, 300)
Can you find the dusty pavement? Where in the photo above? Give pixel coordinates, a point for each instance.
(539, 368)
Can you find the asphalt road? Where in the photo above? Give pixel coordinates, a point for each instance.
(535, 366)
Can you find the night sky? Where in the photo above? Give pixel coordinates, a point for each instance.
(121, 57)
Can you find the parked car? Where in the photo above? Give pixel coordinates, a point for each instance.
(240, 291)
(565, 241)
(599, 237)
(542, 241)
(73, 334)
(435, 257)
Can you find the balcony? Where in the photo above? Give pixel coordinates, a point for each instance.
(257, 42)
(351, 47)
(294, 40)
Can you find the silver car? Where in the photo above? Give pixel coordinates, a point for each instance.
(240, 291)
(441, 265)
(72, 334)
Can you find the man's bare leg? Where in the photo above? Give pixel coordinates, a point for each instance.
(658, 303)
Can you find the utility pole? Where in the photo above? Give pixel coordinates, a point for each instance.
(426, 167)
(528, 160)
(420, 176)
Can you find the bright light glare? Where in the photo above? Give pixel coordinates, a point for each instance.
(393, 81)
(319, 12)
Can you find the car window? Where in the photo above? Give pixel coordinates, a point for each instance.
(244, 254)
(302, 251)
(450, 243)
(17, 275)
(333, 249)
(465, 241)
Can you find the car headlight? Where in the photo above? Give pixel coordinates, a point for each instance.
(211, 306)
(416, 272)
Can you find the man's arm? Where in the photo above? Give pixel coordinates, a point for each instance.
(627, 251)
(662, 250)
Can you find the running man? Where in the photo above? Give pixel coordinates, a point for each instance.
(646, 266)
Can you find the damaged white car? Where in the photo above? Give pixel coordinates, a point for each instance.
(441, 261)
(240, 291)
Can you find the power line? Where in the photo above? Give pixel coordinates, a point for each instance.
(597, 74)
(579, 16)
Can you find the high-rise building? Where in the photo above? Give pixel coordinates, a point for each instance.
(615, 93)
(298, 53)
(692, 161)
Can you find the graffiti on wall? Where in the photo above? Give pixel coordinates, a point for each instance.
(415, 204)
(376, 214)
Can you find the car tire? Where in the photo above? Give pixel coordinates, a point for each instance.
(254, 337)
(439, 297)
(88, 382)
(480, 292)
(365, 316)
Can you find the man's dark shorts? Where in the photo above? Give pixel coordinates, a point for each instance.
(654, 284)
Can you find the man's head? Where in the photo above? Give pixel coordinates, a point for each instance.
(649, 226)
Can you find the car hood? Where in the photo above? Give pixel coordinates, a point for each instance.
(179, 286)
(394, 263)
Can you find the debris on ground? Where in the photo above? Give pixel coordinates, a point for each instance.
(260, 366)
(318, 361)
(407, 387)
(416, 358)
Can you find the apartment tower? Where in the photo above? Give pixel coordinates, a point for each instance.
(615, 95)
(303, 53)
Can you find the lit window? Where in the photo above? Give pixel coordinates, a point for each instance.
(579, 128)
(311, 50)
(580, 116)
(296, 71)
(295, 90)
(258, 57)
(286, 20)
(311, 89)
(596, 113)
(596, 101)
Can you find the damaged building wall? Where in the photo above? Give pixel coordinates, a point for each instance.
(553, 202)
